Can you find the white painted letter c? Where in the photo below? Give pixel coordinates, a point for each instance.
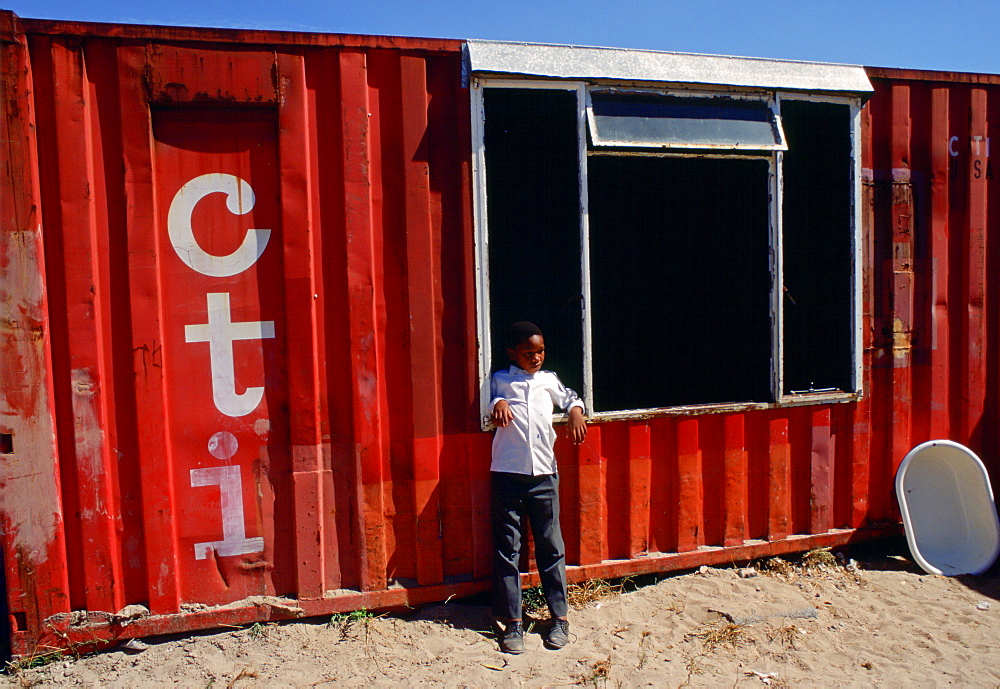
(240, 200)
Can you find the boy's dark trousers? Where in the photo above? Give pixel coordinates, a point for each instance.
(514, 498)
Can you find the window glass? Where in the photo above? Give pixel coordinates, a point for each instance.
(647, 120)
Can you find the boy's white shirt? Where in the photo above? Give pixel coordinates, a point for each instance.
(524, 446)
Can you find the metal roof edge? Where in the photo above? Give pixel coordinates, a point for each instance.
(250, 37)
(949, 77)
(584, 62)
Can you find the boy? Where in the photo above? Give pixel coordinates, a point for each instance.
(525, 482)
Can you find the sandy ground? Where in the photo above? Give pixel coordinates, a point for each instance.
(882, 622)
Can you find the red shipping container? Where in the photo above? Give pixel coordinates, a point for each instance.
(240, 361)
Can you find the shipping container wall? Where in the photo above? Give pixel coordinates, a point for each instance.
(239, 351)
(237, 302)
(933, 212)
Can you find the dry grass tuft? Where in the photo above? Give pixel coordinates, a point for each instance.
(598, 674)
(694, 666)
(577, 595)
(591, 591)
(728, 634)
(818, 562)
(820, 559)
(642, 648)
(775, 566)
(245, 673)
(785, 636)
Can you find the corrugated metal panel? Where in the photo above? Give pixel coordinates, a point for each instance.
(933, 197)
(239, 351)
(232, 277)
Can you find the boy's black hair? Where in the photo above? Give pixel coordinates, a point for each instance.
(521, 331)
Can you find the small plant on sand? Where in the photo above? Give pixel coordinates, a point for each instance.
(38, 658)
(533, 601)
(339, 619)
(258, 631)
(357, 626)
(33, 661)
(346, 620)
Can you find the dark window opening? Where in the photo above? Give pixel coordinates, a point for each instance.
(680, 283)
(533, 204)
(816, 247)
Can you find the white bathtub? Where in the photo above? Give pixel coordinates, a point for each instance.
(948, 511)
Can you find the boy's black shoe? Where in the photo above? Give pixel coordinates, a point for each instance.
(558, 634)
(512, 640)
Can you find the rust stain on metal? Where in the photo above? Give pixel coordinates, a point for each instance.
(174, 74)
(276, 79)
(447, 46)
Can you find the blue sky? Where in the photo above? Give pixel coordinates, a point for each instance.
(920, 34)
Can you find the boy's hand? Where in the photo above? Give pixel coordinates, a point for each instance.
(577, 425)
(502, 415)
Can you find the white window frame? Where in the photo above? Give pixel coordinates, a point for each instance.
(857, 330)
(776, 261)
(482, 249)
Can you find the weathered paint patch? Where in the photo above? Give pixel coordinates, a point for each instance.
(87, 431)
(29, 500)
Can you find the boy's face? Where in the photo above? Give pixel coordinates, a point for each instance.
(529, 354)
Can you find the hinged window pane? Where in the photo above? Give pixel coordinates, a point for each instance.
(656, 121)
